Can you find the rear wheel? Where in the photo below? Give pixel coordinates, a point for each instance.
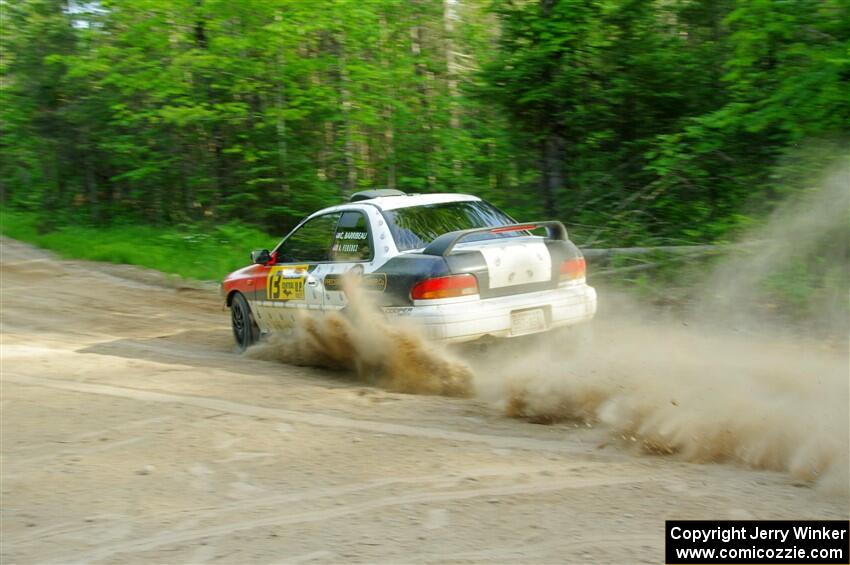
(245, 330)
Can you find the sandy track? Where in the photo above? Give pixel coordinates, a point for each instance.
(132, 432)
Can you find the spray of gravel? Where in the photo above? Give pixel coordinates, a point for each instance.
(395, 356)
(730, 381)
(723, 384)
(679, 390)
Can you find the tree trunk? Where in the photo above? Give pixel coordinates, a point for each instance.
(280, 103)
(345, 99)
(389, 140)
(91, 187)
(449, 15)
(52, 195)
(552, 150)
(387, 112)
(419, 67)
(216, 136)
(551, 172)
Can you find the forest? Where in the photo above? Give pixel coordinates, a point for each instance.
(632, 121)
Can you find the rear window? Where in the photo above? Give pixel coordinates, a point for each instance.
(417, 226)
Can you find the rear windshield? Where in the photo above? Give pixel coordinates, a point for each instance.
(417, 226)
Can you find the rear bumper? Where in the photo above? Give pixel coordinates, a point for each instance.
(473, 319)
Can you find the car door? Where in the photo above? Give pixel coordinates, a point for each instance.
(291, 285)
(351, 252)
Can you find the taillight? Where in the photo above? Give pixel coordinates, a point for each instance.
(445, 287)
(572, 269)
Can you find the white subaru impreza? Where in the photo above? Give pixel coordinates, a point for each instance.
(454, 263)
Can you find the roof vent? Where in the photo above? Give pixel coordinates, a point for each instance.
(377, 193)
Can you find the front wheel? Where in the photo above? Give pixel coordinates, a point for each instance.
(245, 330)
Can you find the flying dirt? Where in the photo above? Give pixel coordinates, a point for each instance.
(672, 388)
(717, 383)
(133, 432)
(394, 356)
(706, 398)
(723, 381)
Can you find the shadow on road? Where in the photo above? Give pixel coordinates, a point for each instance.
(214, 349)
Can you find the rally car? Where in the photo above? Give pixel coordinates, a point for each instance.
(455, 264)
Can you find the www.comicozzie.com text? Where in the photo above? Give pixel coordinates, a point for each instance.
(757, 532)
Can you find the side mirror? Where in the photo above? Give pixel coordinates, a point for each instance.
(260, 256)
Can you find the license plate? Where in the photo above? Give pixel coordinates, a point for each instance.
(527, 321)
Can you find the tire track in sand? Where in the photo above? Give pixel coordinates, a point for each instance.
(308, 418)
(172, 538)
(211, 512)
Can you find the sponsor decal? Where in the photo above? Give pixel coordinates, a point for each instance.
(375, 281)
(333, 282)
(286, 282)
(357, 235)
(349, 241)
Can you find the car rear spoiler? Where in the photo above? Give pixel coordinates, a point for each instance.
(444, 244)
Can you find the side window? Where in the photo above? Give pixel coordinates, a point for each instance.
(311, 243)
(352, 240)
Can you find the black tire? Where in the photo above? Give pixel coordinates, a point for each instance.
(245, 330)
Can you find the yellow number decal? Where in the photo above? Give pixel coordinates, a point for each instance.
(286, 283)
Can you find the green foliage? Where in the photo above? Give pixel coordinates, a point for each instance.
(632, 121)
(194, 252)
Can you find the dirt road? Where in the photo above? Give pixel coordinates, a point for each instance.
(131, 432)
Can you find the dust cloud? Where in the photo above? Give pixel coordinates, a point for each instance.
(725, 381)
(804, 251)
(729, 380)
(708, 398)
(394, 356)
